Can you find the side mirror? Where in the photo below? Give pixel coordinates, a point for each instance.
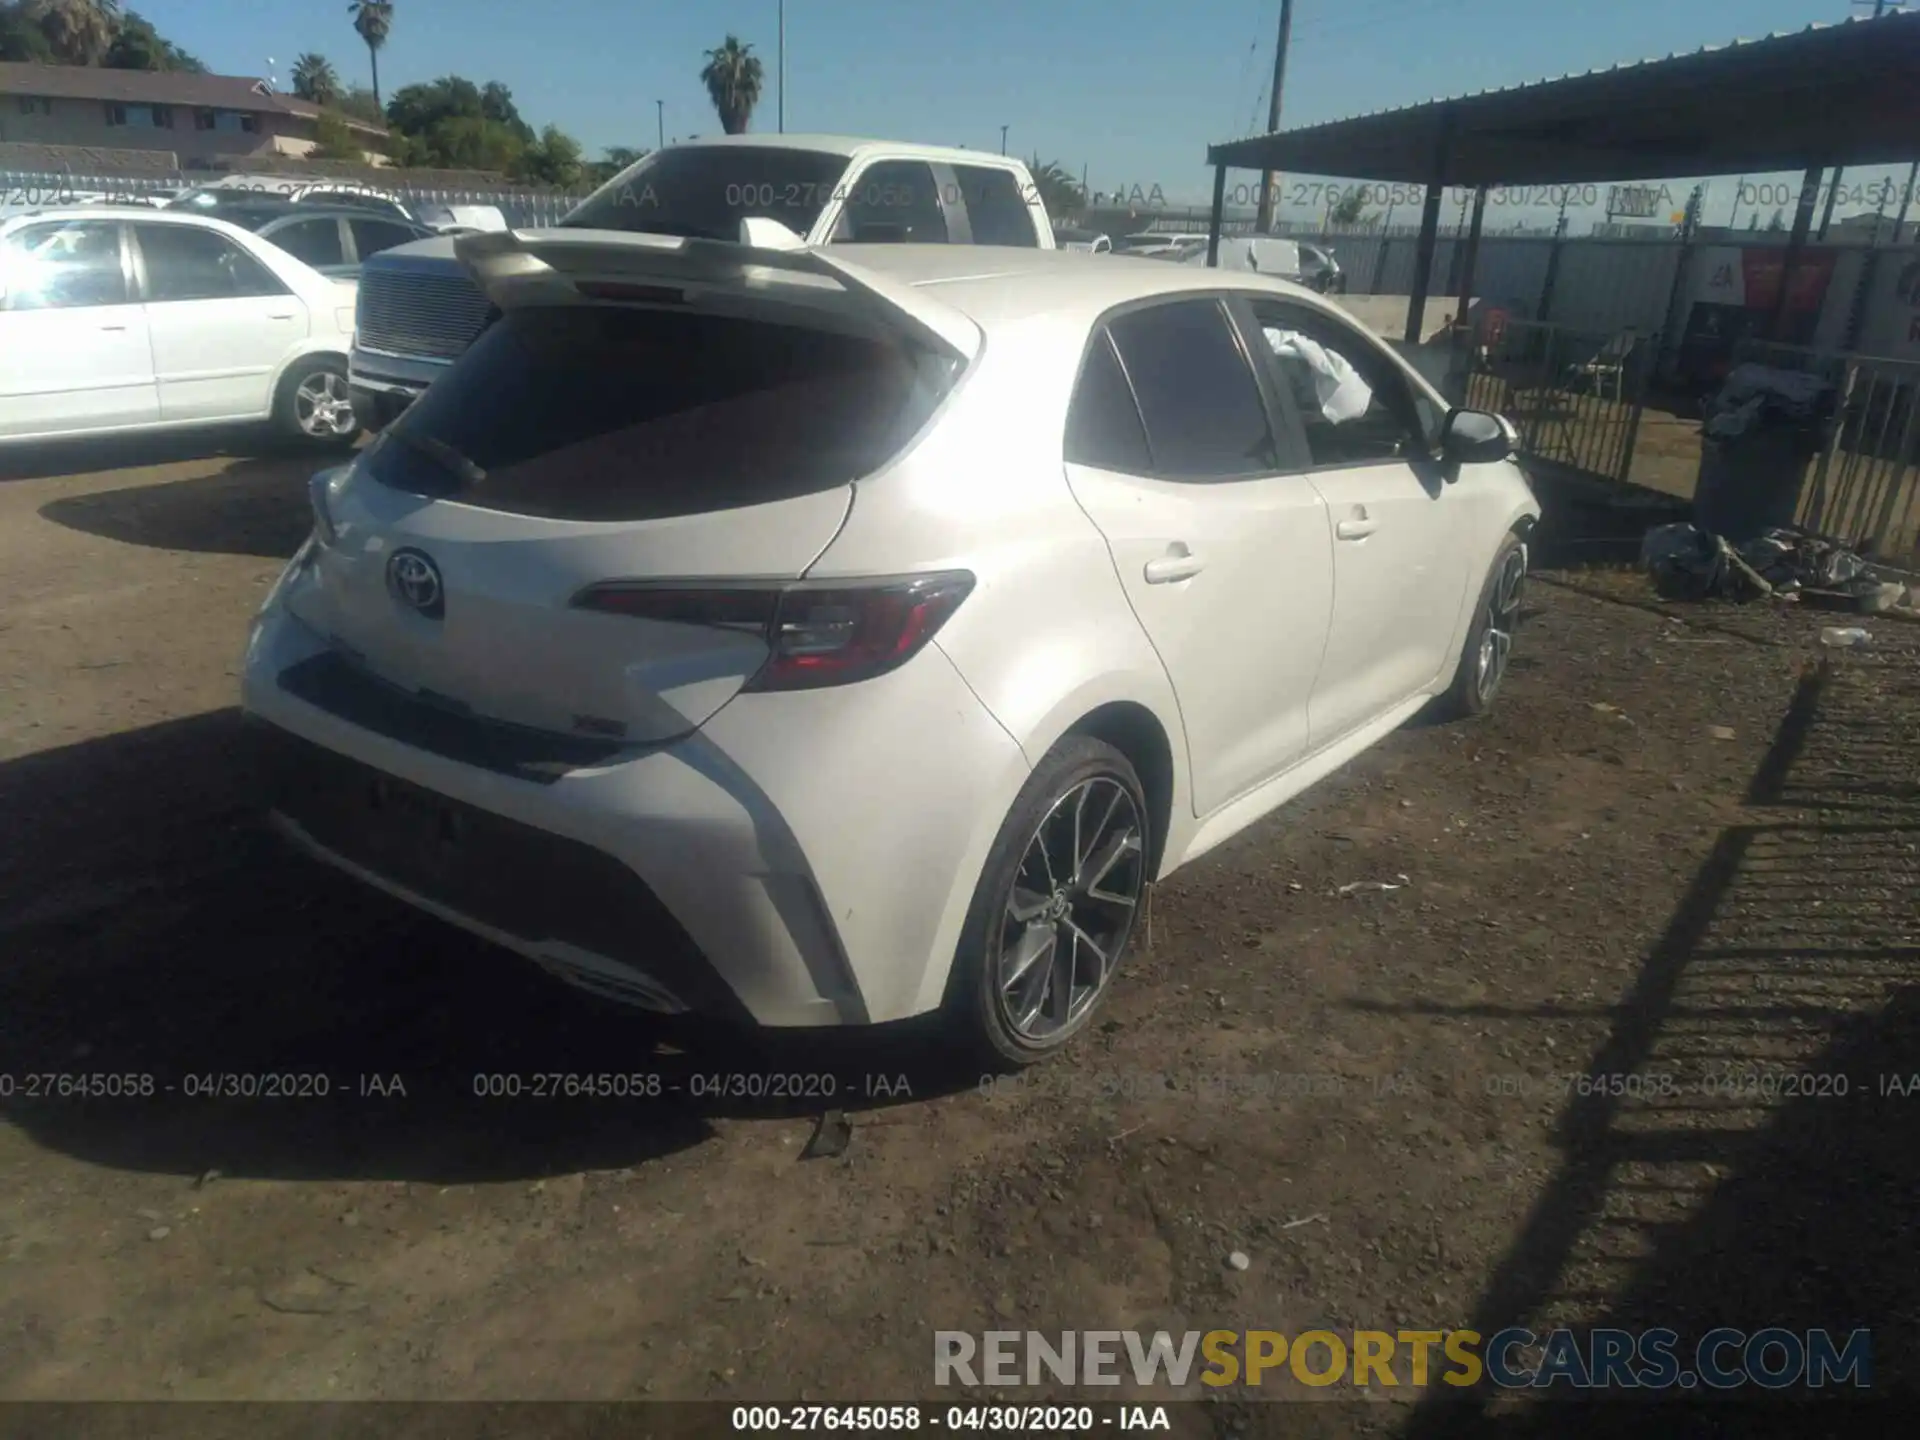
(1477, 437)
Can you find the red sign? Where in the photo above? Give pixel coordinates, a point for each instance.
(1812, 273)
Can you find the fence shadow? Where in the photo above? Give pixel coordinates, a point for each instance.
(1762, 1173)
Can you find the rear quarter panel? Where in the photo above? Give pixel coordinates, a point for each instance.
(1047, 635)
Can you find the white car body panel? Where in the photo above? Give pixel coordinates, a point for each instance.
(205, 361)
(823, 847)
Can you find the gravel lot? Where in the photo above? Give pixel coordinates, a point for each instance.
(1680, 849)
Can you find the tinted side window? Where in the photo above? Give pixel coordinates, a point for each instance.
(1103, 424)
(1355, 408)
(998, 211)
(315, 241)
(188, 264)
(370, 237)
(1204, 413)
(893, 203)
(63, 266)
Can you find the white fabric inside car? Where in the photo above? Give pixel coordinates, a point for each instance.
(1337, 386)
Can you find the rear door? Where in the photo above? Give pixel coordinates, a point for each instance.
(1173, 453)
(371, 236)
(1400, 558)
(74, 354)
(894, 202)
(221, 322)
(579, 443)
(320, 242)
(997, 213)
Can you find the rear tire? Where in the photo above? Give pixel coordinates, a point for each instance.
(1496, 618)
(1055, 907)
(314, 408)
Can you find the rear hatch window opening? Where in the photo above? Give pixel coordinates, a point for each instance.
(618, 413)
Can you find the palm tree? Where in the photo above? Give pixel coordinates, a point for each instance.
(373, 20)
(314, 79)
(732, 76)
(1059, 191)
(78, 30)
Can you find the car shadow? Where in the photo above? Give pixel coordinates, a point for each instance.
(252, 507)
(87, 455)
(154, 939)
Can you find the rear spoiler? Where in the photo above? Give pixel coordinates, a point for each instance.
(520, 267)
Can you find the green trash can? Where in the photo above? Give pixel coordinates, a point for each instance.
(1763, 430)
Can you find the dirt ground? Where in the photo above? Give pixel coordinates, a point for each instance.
(1678, 850)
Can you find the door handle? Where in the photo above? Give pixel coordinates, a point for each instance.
(1177, 564)
(286, 316)
(113, 329)
(1355, 529)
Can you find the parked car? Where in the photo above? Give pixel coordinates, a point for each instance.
(460, 219)
(419, 310)
(336, 241)
(120, 319)
(1319, 270)
(1153, 246)
(819, 681)
(1090, 242)
(249, 189)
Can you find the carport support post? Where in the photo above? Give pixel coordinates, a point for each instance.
(1423, 265)
(1796, 242)
(1472, 256)
(1429, 234)
(1218, 216)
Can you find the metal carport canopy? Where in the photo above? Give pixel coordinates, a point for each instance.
(1843, 94)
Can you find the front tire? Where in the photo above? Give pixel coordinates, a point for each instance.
(1055, 907)
(314, 408)
(1484, 658)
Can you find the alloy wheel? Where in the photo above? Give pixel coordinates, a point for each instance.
(1503, 618)
(1071, 909)
(322, 406)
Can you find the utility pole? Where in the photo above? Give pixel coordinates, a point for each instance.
(1263, 217)
(1003, 139)
(660, 114)
(781, 109)
(1833, 193)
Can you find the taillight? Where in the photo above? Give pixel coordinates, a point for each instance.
(817, 635)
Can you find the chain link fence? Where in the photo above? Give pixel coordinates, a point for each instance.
(22, 191)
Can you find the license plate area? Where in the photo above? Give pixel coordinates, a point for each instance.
(411, 825)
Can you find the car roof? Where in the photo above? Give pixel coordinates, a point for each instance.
(1001, 285)
(854, 147)
(146, 215)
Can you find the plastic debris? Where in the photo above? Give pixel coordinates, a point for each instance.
(1374, 885)
(1844, 637)
(1239, 1260)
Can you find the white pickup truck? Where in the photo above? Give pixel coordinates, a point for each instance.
(418, 308)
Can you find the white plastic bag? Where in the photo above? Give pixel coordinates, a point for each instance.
(1342, 394)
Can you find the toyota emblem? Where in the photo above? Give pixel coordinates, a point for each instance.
(415, 581)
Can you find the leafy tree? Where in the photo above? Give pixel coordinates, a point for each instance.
(78, 31)
(1779, 220)
(496, 104)
(314, 79)
(373, 22)
(732, 76)
(136, 45)
(1350, 208)
(21, 38)
(612, 161)
(1059, 191)
(334, 141)
(553, 159)
(357, 103)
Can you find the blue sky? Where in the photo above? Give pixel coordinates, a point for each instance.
(1132, 92)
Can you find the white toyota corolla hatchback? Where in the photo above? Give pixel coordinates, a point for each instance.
(819, 637)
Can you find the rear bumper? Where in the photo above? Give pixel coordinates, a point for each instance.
(379, 372)
(796, 863)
